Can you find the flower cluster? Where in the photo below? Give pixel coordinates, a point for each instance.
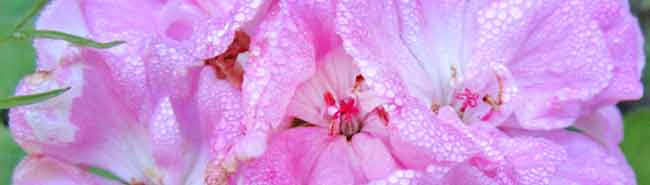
(332, 92)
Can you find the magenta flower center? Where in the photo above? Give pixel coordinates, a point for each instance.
(344, 114)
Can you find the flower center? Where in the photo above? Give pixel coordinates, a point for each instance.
(226, 65)
(344, 114)
(467, 99)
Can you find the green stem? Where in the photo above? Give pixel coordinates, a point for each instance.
(14, 101)
(32, 13)
(49, 34)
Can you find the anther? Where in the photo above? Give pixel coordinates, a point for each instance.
(383, 115)
(454, 74)
(495, 104)
(358, 82)
(329, 99)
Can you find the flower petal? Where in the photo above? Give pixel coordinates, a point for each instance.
(289, 160)
(373, 156)
(59, 15)
(92, 129)
(37, 170)
(526, 36)
(625, 43)
(220, 117)
(372, 39)
(281, 58)
(588, 162)
(605, 126)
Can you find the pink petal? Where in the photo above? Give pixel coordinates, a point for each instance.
(335, 74)
(60, 15)
(106, 20)
(72, 138)
(534, 160)
(319, 18)
(333, 165)
(403, 177)
(281, 58)
(418, 138)
(373, 156)
(213, 34)
(605, 126)
(38, 170)
(563, 32)
(466, 175)
(220, 118)
(289, 159)
(588, 162)
(94, 128)
(625, 43)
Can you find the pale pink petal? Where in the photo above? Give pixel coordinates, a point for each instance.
(149, 23)
(504, 160)
(625, 43)
(319, 19)
(106, 20)
(91, 128)
(220, 120)
(60, 15)
(417, 137)
(466, 175)
(94, 128)
(280, 60)
(290, 158)
(39, 170)
(403, 177)
(439, 35)
(212, 36)
(557, 53)
(587, 162)
(373, 156)
(336, 74)
(534, 161)
(605, 125)
(333, 165)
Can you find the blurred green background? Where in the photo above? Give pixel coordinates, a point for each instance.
(17, 59)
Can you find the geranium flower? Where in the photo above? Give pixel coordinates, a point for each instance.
(525, 64)
(353, 138)
(167, 107)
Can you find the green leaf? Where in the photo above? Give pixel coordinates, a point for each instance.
(49, 34)
(16, 56)
(39, 5)
(29, 99)
(636, 143)
(106, 174)
(10, 155)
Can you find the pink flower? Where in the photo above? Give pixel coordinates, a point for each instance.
(450, 97)
(523, 64)
(332, 92)
(172, 105)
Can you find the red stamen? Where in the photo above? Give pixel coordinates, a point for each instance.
(358, 81)
(488, 115)
(333, 127)
(469, 99)
(383, 115)
(225, 64)
(329, 99)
